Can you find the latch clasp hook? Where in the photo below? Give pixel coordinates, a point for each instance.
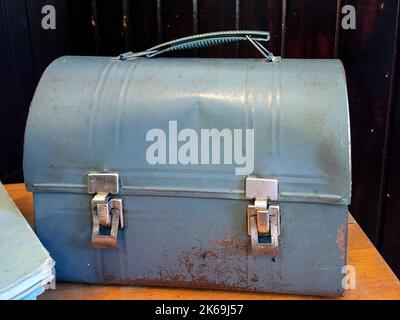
(263, 220)
(107, 212)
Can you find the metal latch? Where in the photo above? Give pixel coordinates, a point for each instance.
(107, 212)
(263, 220)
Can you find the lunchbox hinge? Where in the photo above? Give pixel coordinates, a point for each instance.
(263, 219)
(107, 211)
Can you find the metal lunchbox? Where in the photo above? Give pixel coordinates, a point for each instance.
(187, 172)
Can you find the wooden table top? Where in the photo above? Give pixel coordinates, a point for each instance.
(374, 278)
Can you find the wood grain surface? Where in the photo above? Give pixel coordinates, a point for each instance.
(374, 279)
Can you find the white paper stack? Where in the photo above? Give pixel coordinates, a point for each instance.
(26, 268)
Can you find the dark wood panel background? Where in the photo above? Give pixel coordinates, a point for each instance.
(300, 29)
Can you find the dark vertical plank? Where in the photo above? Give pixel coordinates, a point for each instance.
(144, 24)
(392, 100)
(263, 15)
(159, 21)
(388, 228)
(338, 27)
(177, 21)
(283, 31)
(217, 16)
(195, 16)
(81, 20)
(390, 244)
(367, 54)
(17, 81)
(48, 44)
(95, 25)
(310, 28)
(110, 24)
(126, 24)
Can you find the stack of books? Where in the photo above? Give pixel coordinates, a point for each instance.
(26, 268)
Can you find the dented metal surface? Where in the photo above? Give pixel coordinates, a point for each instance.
(298, 109)
(196, 244)
(187, 225)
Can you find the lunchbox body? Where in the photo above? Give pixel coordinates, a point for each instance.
(193, 243)
(187, 225)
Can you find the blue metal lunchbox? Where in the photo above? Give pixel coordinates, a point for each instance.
(186, 172)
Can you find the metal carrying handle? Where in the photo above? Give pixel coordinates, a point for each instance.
(207, 40)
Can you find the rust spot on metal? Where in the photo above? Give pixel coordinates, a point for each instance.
(232, 244)
(207, 254)
(189, 266)
(212, 267)
(196, 284)
(225, 242)
(341, 241)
